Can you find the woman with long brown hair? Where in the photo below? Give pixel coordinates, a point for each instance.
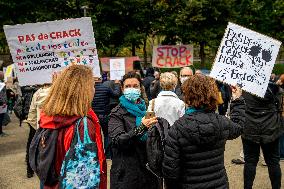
(69, 100)
(128, 134)
(194, 148)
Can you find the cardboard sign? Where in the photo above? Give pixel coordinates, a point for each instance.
(246, 58)
(39, 49)
(172, 56)
(105, 63)
(117, 68)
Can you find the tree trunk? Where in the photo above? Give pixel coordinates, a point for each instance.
(202, 54)
(133, 49)
(78, 8)
(145, 51)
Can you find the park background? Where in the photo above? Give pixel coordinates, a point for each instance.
(125, 28)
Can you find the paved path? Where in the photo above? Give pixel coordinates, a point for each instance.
(13, 170)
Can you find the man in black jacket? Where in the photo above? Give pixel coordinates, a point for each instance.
(147, 81)
(263, 129)
(155, 87)
(114, 99)
(101, 105)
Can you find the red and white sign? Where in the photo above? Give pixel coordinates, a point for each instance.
(169, 56)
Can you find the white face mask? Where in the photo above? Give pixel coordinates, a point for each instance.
(132, 94)
(183, 79)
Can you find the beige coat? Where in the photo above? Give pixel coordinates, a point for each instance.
(36, 104)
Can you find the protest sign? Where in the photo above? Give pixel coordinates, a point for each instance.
(117, 68)
(172, 56)
(246, 58)
(105, 63)
(8, 71)
(39, 49)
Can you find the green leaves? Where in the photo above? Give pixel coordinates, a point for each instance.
(129, 24)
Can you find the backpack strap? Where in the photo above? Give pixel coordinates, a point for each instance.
(77, 133)
(86, 138)
(86, 132)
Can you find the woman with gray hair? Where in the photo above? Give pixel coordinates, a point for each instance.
(167, 105)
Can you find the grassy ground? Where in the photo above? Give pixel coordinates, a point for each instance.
(13, 168)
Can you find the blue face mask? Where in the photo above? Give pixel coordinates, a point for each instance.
(132, 94)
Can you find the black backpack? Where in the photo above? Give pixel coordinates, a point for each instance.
(155, 146)
(42, 155)
(22, 104)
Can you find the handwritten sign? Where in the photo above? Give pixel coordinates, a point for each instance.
(117, 68)
(39, 49)
(246, 58)
(172, 56)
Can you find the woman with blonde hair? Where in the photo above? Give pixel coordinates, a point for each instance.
(167, 105)
(195, 145)
(69, 100)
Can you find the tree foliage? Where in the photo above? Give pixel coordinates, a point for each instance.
(127, 24)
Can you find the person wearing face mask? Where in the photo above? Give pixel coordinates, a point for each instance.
(185, 73)
(127, 133)
(167, 100)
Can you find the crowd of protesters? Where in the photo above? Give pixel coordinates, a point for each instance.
(202, 113)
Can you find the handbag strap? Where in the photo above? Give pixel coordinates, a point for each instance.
(153, 105)
(77, 131)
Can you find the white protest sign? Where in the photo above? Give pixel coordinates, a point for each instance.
(2, 85)
(39, 49)
(117, 68)
(246, 58)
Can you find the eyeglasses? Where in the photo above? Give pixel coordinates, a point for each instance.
(185, 75)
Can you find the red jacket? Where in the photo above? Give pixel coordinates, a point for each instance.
(66, 128)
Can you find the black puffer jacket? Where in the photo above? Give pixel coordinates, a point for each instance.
(147, 83)
(194, 149)
(101, 101)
